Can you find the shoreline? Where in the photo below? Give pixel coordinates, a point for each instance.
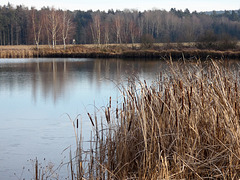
(115, 51)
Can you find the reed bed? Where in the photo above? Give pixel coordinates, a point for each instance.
(115, 51)
(186, 125)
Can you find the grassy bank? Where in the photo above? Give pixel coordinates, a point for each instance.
(117, 51)
(184, 126)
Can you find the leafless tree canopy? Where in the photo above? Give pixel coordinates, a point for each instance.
(19, 25)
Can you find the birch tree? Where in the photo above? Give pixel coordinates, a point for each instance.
(106, 33)
(37, 27)
(53, 25)
(117, 22)
(66, 26)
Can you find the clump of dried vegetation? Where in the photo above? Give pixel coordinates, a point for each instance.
(148, 50)
(186, 125)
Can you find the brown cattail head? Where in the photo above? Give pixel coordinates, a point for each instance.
(181, 85)
(236, 88)
(189, 103)
(107, 114)
(110, 102)
(182, 101)
(176, 116)
(90, 118)
(117, 113)
(129, 126)
(191, 91)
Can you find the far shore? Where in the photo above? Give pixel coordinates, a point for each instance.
(157, 51)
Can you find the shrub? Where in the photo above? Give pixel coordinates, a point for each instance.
(217, 42)
(147, 41)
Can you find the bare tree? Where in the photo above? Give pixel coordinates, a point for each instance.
(66, 26)
(53, 25)
(106, 33)
(37, 27)
(118, 25)
(96, 28)
(133, 30)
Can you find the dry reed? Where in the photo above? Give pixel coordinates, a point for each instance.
(113, 51)
(183, 126)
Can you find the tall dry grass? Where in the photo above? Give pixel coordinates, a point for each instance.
(186, 125)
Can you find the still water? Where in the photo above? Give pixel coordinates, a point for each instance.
(37, 94)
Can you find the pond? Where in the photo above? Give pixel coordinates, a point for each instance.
(37, 97)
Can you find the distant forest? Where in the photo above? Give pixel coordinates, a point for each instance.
(23, 26)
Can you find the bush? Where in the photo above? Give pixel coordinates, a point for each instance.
(217, 42)
(147, 41)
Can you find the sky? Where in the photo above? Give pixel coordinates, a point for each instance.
(192, 5)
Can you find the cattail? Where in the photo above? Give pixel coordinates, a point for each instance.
(110, 102)
(189, 103)
(162, 107)
(77, 123)
(202, 94)
(117, 113)
(149, 97)
(182, 101)
(181, 85)
(217, 126)
(176, 116)
(36, 169)
(236, 88)
(107, 114)
(129, 126)
(191, 91)
(90, 118)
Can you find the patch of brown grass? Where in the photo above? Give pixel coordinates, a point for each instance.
(175, 50)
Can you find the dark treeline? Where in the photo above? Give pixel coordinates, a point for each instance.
(21, 25)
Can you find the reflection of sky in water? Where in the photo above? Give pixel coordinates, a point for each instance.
(35, 94)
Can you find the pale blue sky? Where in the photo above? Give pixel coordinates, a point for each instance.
(198, 5)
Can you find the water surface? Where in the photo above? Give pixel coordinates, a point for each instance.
(36, 94)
